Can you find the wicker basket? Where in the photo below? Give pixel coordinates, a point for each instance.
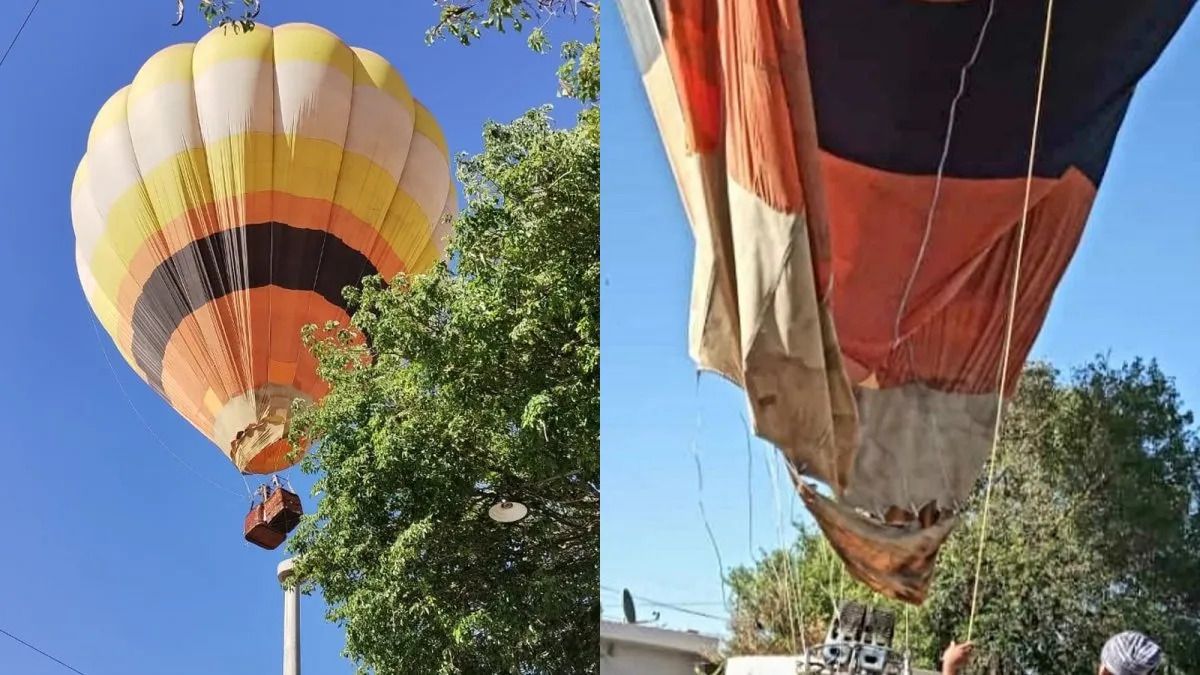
(282, 510)
(259, 532)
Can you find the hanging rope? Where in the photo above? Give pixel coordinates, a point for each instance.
(796, 479)
(712, 539)
(772, 471)
(1009, 321)
(941, 170)
(795, 573)
(749, 495)
(832, 559)
(129, 400)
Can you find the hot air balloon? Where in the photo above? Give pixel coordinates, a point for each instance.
(227, 197)
(865, 182)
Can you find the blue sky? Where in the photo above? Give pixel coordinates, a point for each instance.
(1131, 291)
(118, 559)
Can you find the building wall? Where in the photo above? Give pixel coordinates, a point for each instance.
(631, 659)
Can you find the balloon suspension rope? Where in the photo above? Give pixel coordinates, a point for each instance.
(146, 423)
(906, 633)
(941, 171)
(712, 539)
(1008, 329)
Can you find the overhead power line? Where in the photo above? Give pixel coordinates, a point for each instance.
(709, 603)
(19, 31)
(670, 606)
(49, 656)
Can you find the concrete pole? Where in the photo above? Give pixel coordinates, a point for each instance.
(291, 620)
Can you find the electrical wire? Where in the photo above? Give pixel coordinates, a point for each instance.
(677, 607)
(19, 31)
(697, 603)
(43, 653)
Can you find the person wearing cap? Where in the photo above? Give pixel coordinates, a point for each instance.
(1128, 653)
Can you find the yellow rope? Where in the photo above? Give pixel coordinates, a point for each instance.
(906, 642)
(1008, 330)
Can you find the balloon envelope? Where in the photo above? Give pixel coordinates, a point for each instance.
(227, 197)
(861, 302)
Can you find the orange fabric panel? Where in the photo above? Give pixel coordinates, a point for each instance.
(959, 346)
(188, 374)
(273, 458)
(290, 312)
(695, 64)
(877, 225)
(742, 72)
(764, 40)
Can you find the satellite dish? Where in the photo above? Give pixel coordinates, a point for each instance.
(507, 512)
(630, 610)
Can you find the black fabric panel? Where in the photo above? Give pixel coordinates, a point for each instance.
(248, 257)
(885, 71)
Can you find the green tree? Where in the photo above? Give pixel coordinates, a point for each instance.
(220, 13)
(466, 20)
(579, 74)
(453, 390)
(1094, 528)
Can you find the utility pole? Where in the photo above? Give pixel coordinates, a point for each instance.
(291, 619)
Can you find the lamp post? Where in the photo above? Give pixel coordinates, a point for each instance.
(291, 619)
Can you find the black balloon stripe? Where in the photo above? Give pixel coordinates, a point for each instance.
(884, 74)
(243, 258)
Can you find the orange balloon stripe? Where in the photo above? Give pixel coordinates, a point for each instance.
(274, 458)
(273, 355)
(949, 332)
(958, 346)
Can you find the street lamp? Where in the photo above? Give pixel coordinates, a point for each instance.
(505, 511)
